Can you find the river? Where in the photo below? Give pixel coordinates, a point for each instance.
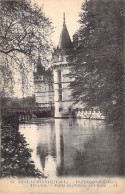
(73, 147)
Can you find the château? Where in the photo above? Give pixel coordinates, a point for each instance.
(52, 90)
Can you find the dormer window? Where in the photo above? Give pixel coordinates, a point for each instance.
(60, 58)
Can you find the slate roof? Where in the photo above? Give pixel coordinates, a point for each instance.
(65, 44)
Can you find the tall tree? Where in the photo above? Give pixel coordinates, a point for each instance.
(98, 58)
(24, 36)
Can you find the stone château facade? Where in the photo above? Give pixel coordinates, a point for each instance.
(52, 89)
(43, 82)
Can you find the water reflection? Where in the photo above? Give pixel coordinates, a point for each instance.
(70, 147)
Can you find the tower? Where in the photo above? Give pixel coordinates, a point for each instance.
(59, 97)
(44, 94)
(61, 67)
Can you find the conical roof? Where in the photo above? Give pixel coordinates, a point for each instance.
(65, 43)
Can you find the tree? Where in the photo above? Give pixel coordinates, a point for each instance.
(24, 36)
(97, 61)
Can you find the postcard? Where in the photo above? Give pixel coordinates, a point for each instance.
(62, 97)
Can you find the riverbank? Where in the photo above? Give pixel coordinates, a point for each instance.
(15, 156)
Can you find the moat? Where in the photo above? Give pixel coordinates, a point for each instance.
(74, 147)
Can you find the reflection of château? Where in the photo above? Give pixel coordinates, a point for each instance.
(52, 89)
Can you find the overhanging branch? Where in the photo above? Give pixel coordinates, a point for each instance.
(12, 50)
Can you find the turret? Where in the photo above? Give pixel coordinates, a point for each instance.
(65, 44)
(61, 68)
(64, 48)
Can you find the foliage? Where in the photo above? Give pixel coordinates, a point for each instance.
(15, 156)
(18, 103)
(24, 36)
(98, 58)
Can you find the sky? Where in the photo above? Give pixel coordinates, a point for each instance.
(54, 9)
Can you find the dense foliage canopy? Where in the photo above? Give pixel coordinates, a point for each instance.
(98, 58)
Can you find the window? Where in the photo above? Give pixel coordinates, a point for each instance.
(60, 109)
(60, 92)
(60, 86)
(60, 58)
(69, 110)
(60, 97)
(50, 87)
(59, 75)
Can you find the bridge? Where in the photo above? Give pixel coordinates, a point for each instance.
(29, 113)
